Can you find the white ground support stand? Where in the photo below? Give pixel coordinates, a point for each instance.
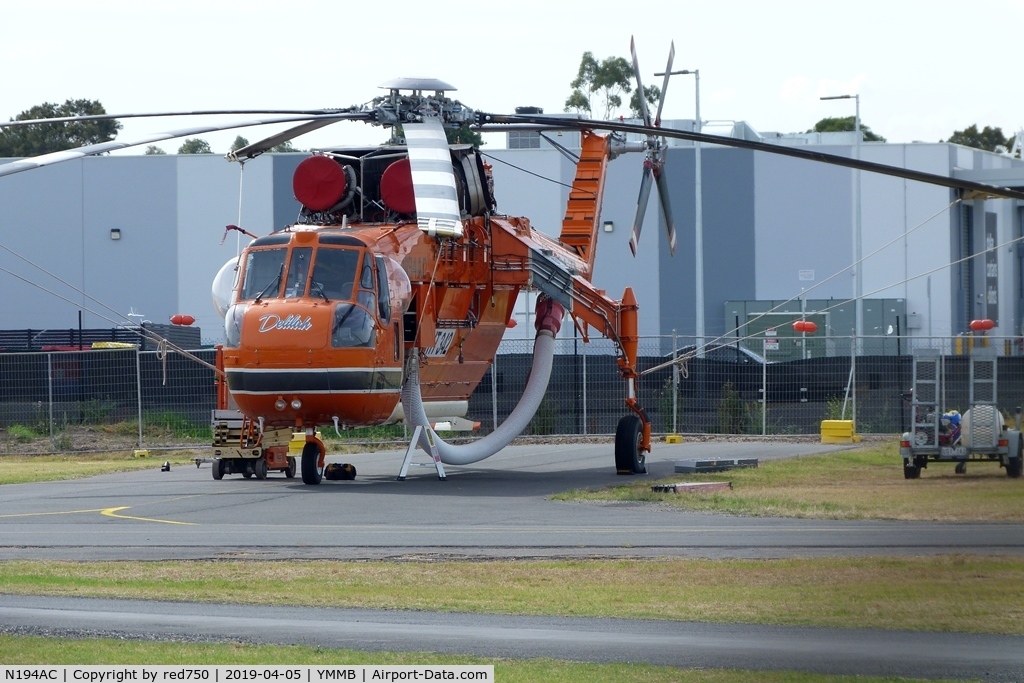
(436, 458)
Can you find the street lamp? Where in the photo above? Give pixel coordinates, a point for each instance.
(858, 280)
(698, 218)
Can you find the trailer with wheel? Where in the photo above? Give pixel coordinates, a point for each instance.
(240, 447)
(982, 434)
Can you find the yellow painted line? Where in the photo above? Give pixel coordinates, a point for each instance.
(44, 514)
(108, 512)
(111, 512)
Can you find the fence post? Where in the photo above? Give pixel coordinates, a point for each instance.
(49, 393)
(675, 383)
(584, 389)
(138, 390)
(764, 390)
(853, 379)
(494, 392)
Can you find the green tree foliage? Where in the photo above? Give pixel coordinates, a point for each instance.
(195, 146)
(841, 124)
(43, 138)
(153, 149)
(464, 136)
(652, 94)
(987, 138)
(606, 81)
(239, 143)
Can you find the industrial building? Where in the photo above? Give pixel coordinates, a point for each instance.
(89, 241)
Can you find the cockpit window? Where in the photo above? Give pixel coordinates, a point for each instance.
(334, 273)
(298, 272)
(353, 327)
(382, 287)
(264, 269)
(366, 280)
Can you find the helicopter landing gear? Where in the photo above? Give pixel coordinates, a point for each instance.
(312, 472)
(630, 457)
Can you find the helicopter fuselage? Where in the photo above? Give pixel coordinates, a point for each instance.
(323, 317)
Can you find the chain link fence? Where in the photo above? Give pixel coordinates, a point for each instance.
(122, 399)
(104, 399)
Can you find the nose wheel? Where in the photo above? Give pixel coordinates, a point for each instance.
(312, 471)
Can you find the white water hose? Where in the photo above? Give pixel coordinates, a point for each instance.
(549, 319)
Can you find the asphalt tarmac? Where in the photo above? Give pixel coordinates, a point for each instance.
(665, 643)
(497, 508)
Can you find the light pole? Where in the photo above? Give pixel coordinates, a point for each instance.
(858, 279)
(698, 243)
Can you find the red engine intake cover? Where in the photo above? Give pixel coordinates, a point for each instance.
(318, 183)
(396, 190)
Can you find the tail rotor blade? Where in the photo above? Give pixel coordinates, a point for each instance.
(666, 209)
(639, 83)
(664, 86)
(641, 208)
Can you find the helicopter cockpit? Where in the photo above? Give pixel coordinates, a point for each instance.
(334, 274)
(335, 269)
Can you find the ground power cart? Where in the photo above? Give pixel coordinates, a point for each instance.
(981, 434)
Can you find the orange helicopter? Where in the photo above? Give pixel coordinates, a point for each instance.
(388, 298)
(400, 273)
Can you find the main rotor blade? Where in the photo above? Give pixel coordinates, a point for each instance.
(664, 86)
(103, 147)
(797, 152)
(208, 112)
(641, 209)
(433, 181)
(257, 148)
(639, 83)
(666, 209)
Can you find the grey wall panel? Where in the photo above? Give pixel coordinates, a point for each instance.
(906, 227)
(532, 183)
(286, 207)
(729, 224)
(727, 180)
(208, 200)
(136, 195)
(41, 220)
(804, 229)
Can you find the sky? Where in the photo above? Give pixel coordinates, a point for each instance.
(922, 69)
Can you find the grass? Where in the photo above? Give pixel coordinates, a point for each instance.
(23, 650)
(863, 483)
(948, 593)
(23, 469)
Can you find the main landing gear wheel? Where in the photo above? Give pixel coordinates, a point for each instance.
(1015, 466)
(290, 472)
(629, 459)
(218, 469)
(259, 468)
(311, 472)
